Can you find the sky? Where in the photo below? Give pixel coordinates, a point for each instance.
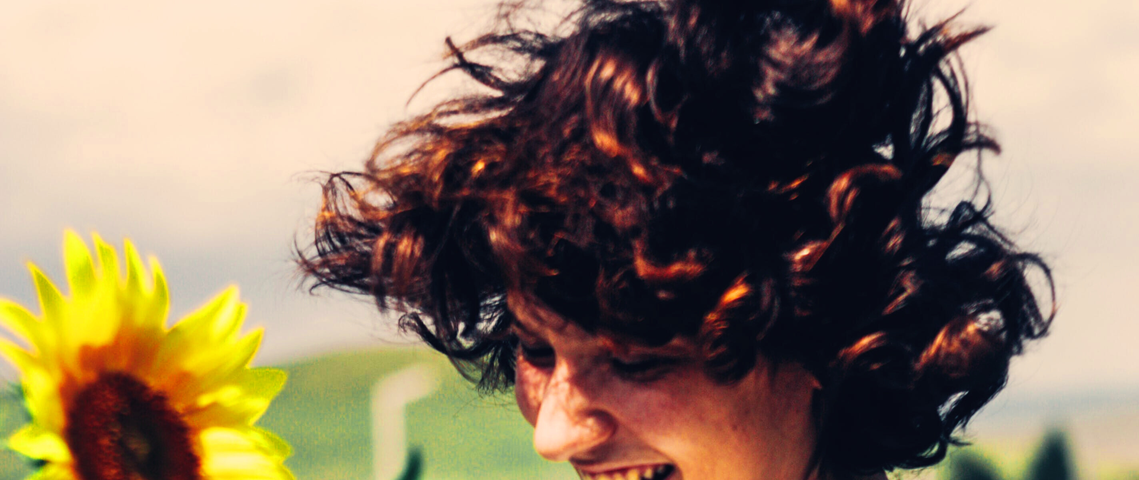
(196, 129)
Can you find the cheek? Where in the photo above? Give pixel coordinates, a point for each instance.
(686, 388)
(694, 419)
(529, 389)
(650, 407)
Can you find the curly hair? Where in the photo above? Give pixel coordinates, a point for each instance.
(751, 175)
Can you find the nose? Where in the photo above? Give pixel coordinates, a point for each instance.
(570, 421)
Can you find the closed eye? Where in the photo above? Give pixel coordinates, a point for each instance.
(541, 356)
(644, 369)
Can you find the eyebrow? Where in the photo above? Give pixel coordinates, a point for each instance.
(674, 348)
(677, 347)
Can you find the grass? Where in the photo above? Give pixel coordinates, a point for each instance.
(324, 412)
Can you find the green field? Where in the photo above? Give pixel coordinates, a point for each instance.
(324, 412)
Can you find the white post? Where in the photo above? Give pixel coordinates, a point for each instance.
(389, 426)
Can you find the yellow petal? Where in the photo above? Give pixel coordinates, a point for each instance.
(217, 321)
(41, 391)
(240, 403)
(80, 269)
(242, 354)
(21, 323)
(147, 312)
(91, 321)
(242, 453)
(136, 273)
(244, 467)
(37, 442)
(155, 316)
(214, 324)
(264, 382)
(273, 444)
(18, 357)
(243, 439)
(219, 365)
(228, 359)
(52, 303)
(108, 260)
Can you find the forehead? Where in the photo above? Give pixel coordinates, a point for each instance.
(552, 328)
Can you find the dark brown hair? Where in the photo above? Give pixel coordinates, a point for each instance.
(749, 174)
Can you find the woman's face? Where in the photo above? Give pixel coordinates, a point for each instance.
(622, 412)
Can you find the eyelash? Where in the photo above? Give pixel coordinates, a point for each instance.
(537, 356)
(641, 370)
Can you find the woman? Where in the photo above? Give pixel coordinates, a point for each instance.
(692, 235)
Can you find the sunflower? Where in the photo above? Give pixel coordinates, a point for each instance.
(113, 394)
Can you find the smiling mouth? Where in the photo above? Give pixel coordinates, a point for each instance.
(658, 472)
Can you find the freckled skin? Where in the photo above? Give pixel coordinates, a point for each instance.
(586, 413)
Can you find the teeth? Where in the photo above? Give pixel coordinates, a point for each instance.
(645, 473)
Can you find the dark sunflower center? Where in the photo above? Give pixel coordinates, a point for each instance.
(120, 429)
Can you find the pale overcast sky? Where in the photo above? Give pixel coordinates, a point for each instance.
(192, 127)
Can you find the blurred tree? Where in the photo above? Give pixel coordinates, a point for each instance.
(414, 466)
(1053, 459)
(969, 465)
